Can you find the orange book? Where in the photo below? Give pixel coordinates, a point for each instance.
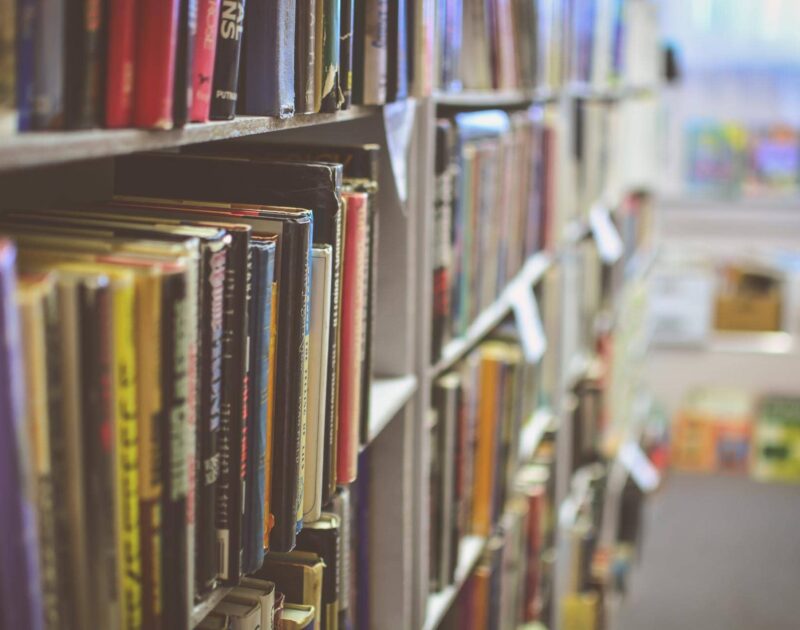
(484, 477)
(351, 331)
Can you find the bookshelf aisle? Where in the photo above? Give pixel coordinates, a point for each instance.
(343, 364)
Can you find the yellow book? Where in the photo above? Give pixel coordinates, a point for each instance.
(269, 518)
(580, 611)
(484, 478)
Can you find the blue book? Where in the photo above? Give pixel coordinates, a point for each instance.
(263, 276)
(20, 594)
(26, 20)
(267, 77)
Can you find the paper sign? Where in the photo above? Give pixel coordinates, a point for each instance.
(641, 469)
(529, 323)
(398, 122)
(606, 236)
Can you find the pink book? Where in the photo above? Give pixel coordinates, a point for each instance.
(351, 331)
(205, 47)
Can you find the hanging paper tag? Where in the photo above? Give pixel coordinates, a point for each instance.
(606, 236)
(529, 323)
(398, 121)
(641, 469)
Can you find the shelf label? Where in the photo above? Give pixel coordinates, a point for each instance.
(641, 469)
(606, 236)
(529, 323)
(398, 122)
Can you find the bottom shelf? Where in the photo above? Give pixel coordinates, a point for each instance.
(469, 552)
(207, 604)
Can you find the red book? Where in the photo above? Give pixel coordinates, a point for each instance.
(120, 65)
(155, 63)
(354, 264)
(205, 47)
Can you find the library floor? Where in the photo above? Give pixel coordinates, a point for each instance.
(719, 553)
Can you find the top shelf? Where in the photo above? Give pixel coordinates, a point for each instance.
(41, 148)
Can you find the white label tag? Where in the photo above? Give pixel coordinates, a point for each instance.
(606, 236)
(398, 121)
(529, 323)
(641, 469)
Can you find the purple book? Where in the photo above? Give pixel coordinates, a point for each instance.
(20, 597)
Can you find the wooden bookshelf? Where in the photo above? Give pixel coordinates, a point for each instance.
(37, 149)
(491, 317)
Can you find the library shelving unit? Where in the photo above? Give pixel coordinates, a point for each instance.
(40, 169)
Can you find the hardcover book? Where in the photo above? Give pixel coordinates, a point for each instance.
(323, 538)
(48, 73)
(226, 66)
(85, 54)
(205, 48)
(155, 63)
(120, 64)
(8, 70)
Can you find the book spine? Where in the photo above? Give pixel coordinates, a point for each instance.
(85, 58)
(8, 70)
(234, 344)
(155, 63)
(226, 65)
(319, 35)
(184, 62)
(353, 291)
(149, 332)
(205, 48)
(261, 315)
(19, 578)
(269, 517)
(189, 453)
(331, 27)
(120, 64)
(397, 51)
(371, 30)
(126, 421)
(306, 318)
(305, 48)
(26, 53)
(48, 74)
(370, 300)
(175, 383)
(267, 82)
(347, 12)
(58, 463)
(208, 428)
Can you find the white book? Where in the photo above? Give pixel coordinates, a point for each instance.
(321, 281)
(261, 591)
(242, 615)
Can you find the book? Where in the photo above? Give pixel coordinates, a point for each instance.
(120, 64)
(19, 584)
(296, 617)
(184, 62)
(226, 65)
(8, 70)
(25, 61)
(261, 591)
(242, 615)
(442, 216)
(267, 83)
(321, 298)
(205, 48)
(330, 92)
(323, 538)
(298, 575)
(155, 63)
(346, 17)
(48, 73)
(353, 297)
(85, 54)
(396, 51)
(262, 279)
(305, 48)
(370, 31)
(342, 507)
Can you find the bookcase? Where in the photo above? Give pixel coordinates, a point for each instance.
(45, 169)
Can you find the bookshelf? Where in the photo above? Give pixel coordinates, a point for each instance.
(81, 168)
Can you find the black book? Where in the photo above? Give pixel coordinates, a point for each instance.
(323, 538)
(85, 54)
(397, 52)
(346, 52)
(226, 64)
(442, 217)
(184, 62)
(241, 184)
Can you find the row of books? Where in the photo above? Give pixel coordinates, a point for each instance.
(512, 582)
(163, 64)
(493, 198)
(478, 411)
(196, 355)
(524, 45)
